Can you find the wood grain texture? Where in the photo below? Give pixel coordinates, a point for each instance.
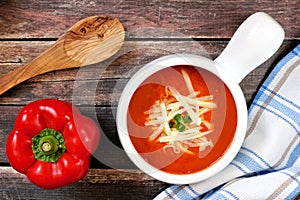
(102, 83)
(142, 19)
(89, 41)
(96, 185)
(131, 55)
(153, 28)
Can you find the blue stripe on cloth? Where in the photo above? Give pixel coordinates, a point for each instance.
(257, 156)
(183, 194)
(208, 195)
(284, 110)
(218, 196)
(278, 115)
(230, 193)
(291, 176)
(294, 169)
(257, 97)
(293, 156)
(281, 64)
(248, 162)
(273, 74)
(193, 191)
(170, 188)
(222, 195)
(281, 97)
(238, 167)
(278, 68)
(296, 191)
(296, 51)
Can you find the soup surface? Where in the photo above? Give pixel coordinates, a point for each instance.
(217, 123)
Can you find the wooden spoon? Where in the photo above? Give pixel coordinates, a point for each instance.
(90, 40)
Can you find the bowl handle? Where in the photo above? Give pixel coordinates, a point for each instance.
(255, 41)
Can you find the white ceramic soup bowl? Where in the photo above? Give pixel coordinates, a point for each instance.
(257, 39)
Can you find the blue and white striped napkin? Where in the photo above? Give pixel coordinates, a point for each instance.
(268, 164)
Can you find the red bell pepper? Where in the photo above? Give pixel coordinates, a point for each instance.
(52, 143)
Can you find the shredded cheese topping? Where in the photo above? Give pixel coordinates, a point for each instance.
(178, 120)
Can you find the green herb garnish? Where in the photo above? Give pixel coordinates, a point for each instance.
(180, 120)
(171, 124)
(180, 127)
(186, 119)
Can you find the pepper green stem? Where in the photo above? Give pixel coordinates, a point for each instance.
(48, 145)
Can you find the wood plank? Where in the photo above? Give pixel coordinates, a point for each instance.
(105, 76)
(98, 184)
(132, 56)
(102, 84)
(98, 92)
(129, 59)
(143, 19)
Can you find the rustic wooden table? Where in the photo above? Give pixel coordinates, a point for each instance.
(153, 28)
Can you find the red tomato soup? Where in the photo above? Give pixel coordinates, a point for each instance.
(222, 120)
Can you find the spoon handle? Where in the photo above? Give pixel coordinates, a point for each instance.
(15, 77)
(42, 64)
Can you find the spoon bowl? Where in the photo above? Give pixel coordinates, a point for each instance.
(89, 41)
